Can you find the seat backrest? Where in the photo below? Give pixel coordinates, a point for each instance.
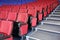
(32, 12)
(3, 14)
(12, 16)
(23, 29)
(15, 8)
(30, 6)
(33, 22)
(40, 17)
(6, 27)
(23, 11)
(22, 17)
(23, 6)
(6, 8)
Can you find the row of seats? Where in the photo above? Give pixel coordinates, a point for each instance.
(27, 15)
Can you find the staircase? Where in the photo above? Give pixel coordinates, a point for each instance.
(49, 29)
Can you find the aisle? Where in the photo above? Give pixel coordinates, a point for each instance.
(49, 29)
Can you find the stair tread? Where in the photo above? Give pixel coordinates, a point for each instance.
(51, 22)
(57, 13)
(57, 10)
(54, 15)
(51, 28)
(42, 35)
(53, 18)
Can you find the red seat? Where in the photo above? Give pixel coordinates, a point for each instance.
(6, 28)
(6, 8)
(44, 12)
(23, 6)
(3, 14)
(23, 29)
(15, 8)
(33, 22)
(30, 6)
(32, 12)
(22, 17)
(23, 11)
(12, 16)
(39, 7)
(39, 17)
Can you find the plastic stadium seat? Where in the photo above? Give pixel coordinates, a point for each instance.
(32, 12)
(23, 29)
(45, 11)
(33, 22)
(38, 5)
(23, 6)
(15, 8)
(12, 16)
(22, 17)
(3, 14)
(23, 10)
(49, 10)
(6, 8)
(39, 17)
(30, 6)
(39, 8)
(6, 29)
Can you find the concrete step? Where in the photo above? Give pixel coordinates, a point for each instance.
(49, 28)
(58, 7)
(57, 13)
(57, 10)
(43, 35)
(54, 15)
(52, 22)
(53, 18)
